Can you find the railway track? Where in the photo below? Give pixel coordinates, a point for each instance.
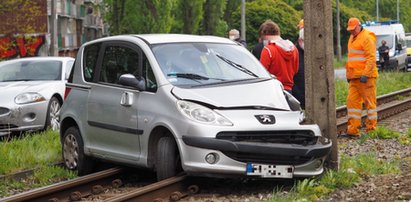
(387, 105)
(107, 185)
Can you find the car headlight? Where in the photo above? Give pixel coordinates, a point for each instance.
(202, 114)
(26, 98)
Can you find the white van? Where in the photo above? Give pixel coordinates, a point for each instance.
(393, 33)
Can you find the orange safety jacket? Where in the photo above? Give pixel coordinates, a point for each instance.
(361, 59)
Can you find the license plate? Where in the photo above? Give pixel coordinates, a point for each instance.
(270, 171)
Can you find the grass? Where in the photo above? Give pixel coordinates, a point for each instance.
(40, 149)
(340, 64)
(387, 82)
(352, 170)
(43, 176)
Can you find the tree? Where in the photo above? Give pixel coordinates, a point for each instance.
(232, 6)
(189, 14)
(213, 23)
(281, 13)
(145, 16)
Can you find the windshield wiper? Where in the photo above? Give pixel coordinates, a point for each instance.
(237, 66)
(192, 76)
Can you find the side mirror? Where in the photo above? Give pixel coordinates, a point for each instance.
(399, 47)
(132, 81)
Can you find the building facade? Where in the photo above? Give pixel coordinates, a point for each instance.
(26, 30)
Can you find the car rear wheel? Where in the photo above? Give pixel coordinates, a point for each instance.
(53, 115)
(168, 158)
(73, 152)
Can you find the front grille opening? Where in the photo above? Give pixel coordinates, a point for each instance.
(268, 159)
(305, 137)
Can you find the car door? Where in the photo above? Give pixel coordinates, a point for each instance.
(112, 108)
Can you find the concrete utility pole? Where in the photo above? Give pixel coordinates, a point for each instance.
(377, 10)
(398, 10)
(319, 71)
(338, 32)
(243, 20)
(53, 30)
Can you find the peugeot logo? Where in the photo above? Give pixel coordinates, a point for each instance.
(265, 119)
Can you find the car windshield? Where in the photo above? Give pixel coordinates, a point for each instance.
(207, 63)
(387, 38)
(29, 70)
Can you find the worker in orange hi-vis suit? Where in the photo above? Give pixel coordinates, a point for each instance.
(361, 73)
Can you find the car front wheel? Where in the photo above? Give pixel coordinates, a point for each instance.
(73, 152)
(168, 158)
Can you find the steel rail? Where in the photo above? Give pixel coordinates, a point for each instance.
(171, 189)
(70, 190)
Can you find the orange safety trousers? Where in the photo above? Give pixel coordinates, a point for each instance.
(359, 93)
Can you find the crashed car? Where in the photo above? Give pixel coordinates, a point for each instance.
(170, 103)
(32, 92)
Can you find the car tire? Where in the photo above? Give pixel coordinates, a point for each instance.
(168, 158)
(73, 152)
(53, 115)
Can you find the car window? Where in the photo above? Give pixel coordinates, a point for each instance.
(90, 61)
(206, 63)
(69, 66)
(30, 70)
(151, 83)
(387, 38)
(117, 61)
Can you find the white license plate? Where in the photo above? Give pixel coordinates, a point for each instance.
(270, 171)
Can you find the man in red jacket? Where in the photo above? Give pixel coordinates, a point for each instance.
(279, 56)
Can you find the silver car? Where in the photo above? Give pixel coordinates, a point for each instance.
(199, 104)
(32, 92)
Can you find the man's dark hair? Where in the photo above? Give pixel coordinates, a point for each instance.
(270, 28)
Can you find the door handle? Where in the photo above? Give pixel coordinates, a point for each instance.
(127, 99)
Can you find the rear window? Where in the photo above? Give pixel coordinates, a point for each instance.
(90, 60)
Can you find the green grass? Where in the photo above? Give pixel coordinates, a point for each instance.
(352, 170)
(340, 64)
(40, 149)
(42, 176)
(384, 133)
(387, 82)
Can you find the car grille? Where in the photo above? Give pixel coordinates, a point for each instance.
(301, 137)
(267, 159)
(4, 110)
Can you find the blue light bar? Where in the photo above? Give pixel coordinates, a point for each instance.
(374, 23)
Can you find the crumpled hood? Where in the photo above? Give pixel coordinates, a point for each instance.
(285, 48)
(259, 94)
